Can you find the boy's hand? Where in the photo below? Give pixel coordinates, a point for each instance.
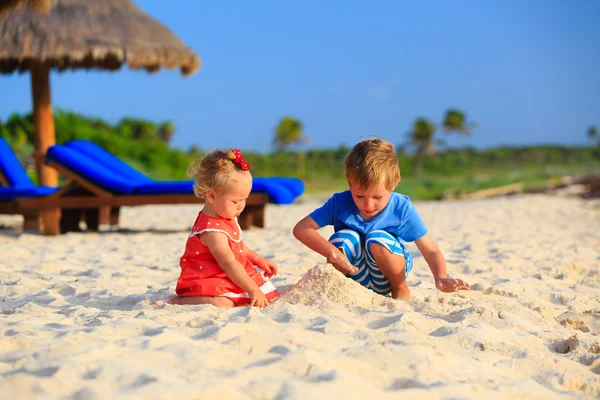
(258, 299)
(268, 266)
(341, 263)
(449, 285)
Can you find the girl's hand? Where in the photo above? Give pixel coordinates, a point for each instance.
(258, 299)
(268, 266)
(341, 263)
(449, 285)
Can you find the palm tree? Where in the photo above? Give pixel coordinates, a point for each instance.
(166, 130)
(194, 151)
(288, 132)
(456, 121)
(422, 138)
(592, 132)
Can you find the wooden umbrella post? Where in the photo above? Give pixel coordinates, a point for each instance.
(44, 138)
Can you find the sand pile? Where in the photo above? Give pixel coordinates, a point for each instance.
(323, 285)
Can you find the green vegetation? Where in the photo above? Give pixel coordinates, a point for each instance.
(143, 144)
(422, 135)
(593, 133)
(456, 172)
(427, 173)
(289, 132)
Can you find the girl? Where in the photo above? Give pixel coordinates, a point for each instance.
(216, 267)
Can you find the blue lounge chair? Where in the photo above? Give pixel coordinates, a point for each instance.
(16, 184)
(281, 190)
(14, 180)
(99, 180)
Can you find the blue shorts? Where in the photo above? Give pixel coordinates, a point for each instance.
(357, 248)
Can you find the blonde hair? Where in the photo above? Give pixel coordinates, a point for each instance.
(214, 171)
(370, 161)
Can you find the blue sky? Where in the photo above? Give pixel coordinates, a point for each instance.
(527, 71)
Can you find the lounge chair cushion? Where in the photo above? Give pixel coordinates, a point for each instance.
(10, 193)
(294, 185)
(105, 158)
(275, 186)
(167, 187)
(12, 169)
(278, 191)
(107, 171)
(90, 169)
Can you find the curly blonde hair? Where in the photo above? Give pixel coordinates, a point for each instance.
(370, 161)
(214, 171)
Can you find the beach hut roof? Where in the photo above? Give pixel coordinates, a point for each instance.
(73, 34)
(36, 5)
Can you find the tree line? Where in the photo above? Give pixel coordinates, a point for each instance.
(146, 146)
(425, 145)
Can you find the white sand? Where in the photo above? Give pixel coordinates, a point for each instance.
(77, 320)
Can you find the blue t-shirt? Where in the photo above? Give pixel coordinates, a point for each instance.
(398, 218)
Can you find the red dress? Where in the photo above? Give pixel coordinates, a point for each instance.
(201, 275)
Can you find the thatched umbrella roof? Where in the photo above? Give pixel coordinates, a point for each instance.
(36, 5)
(40, 35)
(102, 34)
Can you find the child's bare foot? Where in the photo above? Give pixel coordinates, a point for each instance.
(401, 292)
(166, 300)
(194, 300)
(402, 296)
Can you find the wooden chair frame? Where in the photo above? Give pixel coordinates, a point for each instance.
(82, 199)
(31, 220)
(3, 180)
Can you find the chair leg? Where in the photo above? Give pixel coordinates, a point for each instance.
(32, 222)
(259, 216)
(104, 215)
(109, 215)
(252, 216)
(245, 218)
(70, 220)
(114, 216)
(51, 218)
(92, 218)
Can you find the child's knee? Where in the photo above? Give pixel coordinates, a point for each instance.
(346, 240)
(379, 251)
(391, 265)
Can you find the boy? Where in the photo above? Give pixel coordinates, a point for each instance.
(372, 224)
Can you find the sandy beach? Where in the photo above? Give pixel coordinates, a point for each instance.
(77, 319)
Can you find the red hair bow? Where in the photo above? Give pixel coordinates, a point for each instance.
(240, 160)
